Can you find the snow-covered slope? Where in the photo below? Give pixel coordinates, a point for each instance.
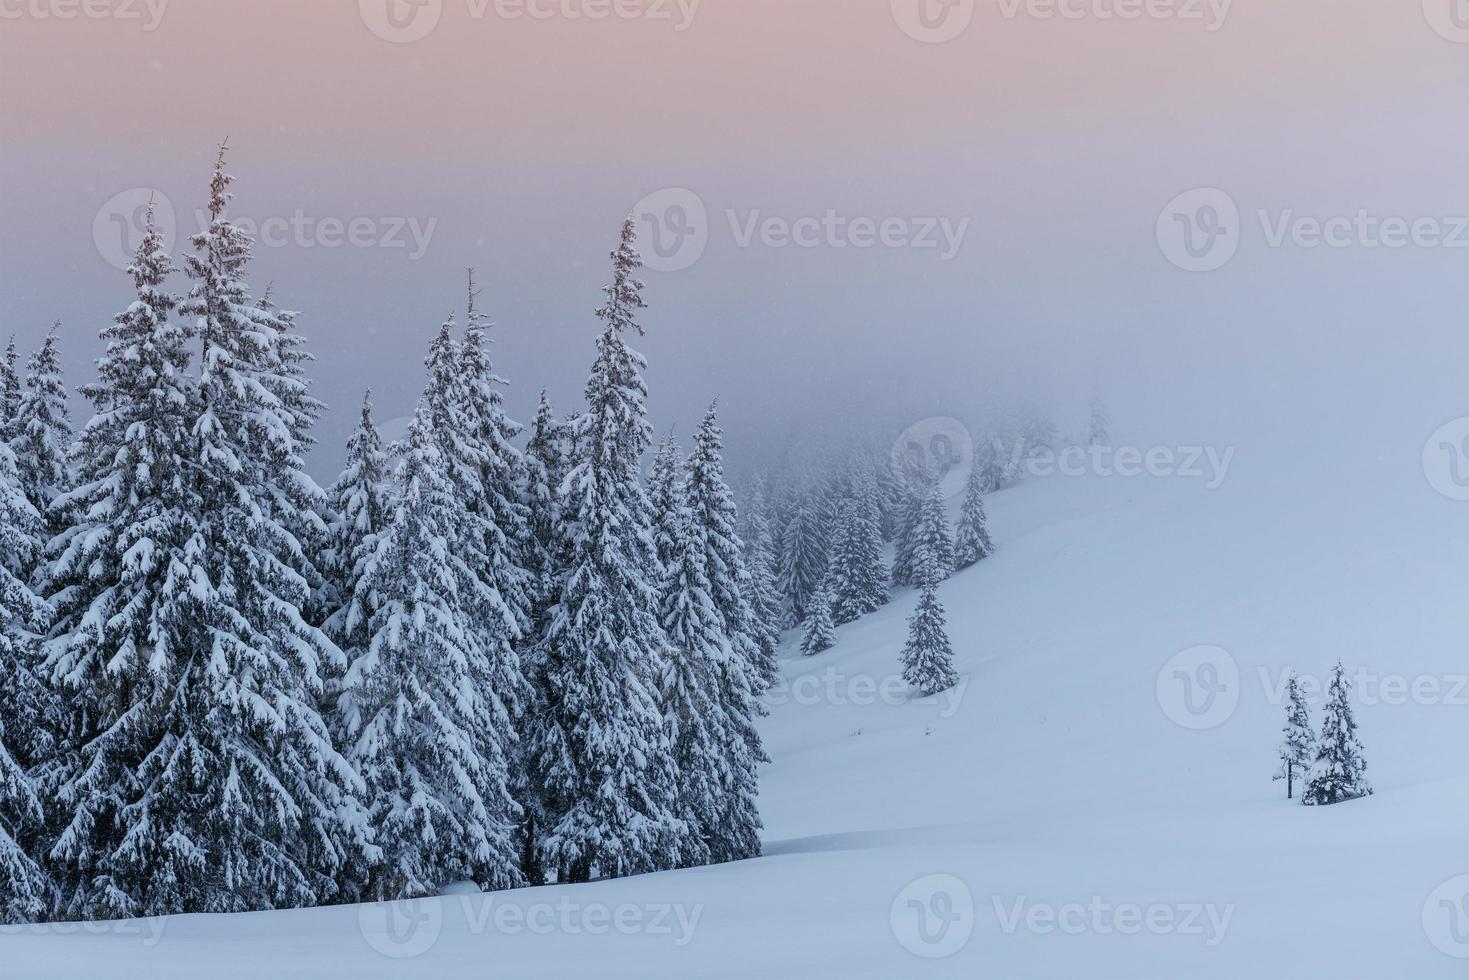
(1093, 833)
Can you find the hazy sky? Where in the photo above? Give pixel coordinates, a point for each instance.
(984, 213)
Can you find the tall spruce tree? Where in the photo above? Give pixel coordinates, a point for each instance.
(715, 518)
(546, 463)
(429, 729)
(803, 558)
(892, 497)
(27, 708)
(741, 670)
(602, 755)
(764, 594)
(689, 687)
(859, 576)
(1298, 746)
(305, 508)
(1339, 772)
(928, 659)
(359, 503)
(992, 463)
(933, 547)
(502, 516)
(41, 433)
(820, 633)
(9, 391)
(226, 792)
(905, 537)
(972, 537)
(121, 581)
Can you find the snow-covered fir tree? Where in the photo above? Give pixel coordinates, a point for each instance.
(803, 557)
(1098, 425)
(41, 433)
(305, 510)
(27, 709)
(1298, 745)
(9, 391)
(427, 725)
(764, 594)
(546, 463)
(209, 782)
(501, 515)
(689, 688)
(820, 632)
(359, 502)
(1339, 772)
(992, 463)
(742, 670)
(858, 572)
(121, 580)
(928, 660)
(715, 518)
(905, 535)
(602, 755)
(971, 536)
(933, 546)
(892, 498)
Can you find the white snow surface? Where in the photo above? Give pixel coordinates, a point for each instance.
(1054, 783)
